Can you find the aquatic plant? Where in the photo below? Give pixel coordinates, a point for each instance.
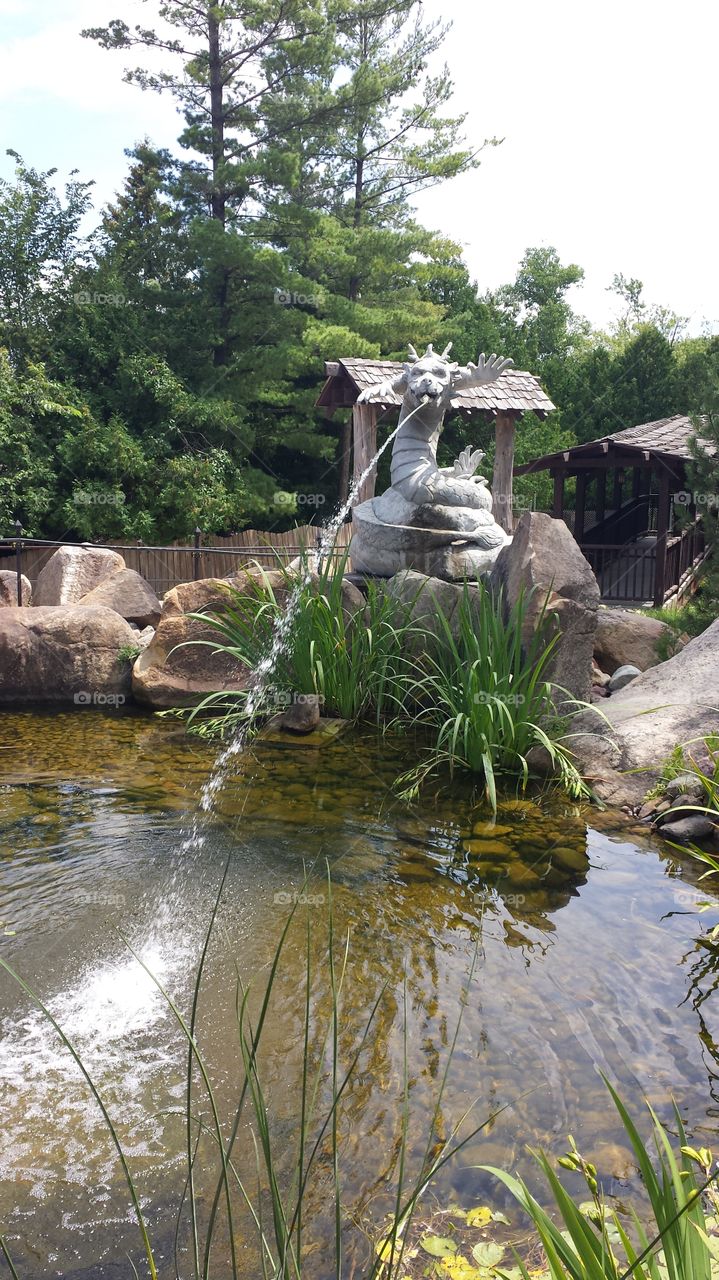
(597, 1243)
(354, 658)
(486, 699)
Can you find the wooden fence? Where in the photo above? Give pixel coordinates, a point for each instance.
(164, 567)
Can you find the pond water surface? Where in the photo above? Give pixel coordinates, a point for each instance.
(585, 941)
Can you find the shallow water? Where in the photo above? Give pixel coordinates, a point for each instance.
(584, 942)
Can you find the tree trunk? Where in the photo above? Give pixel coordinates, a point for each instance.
(218, 198)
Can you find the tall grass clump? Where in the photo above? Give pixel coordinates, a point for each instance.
(485, 697)
(352, 658)
(596, 1242)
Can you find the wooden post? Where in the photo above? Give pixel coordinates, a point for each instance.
(558, 500)
(617, 495)
(579, 507)
(600, 506)
(662, 535)
(503, 470)
(364, 435)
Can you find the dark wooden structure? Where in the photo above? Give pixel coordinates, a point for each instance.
(502, 402)
(634, 517)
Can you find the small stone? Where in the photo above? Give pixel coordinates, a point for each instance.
(685, 830)
(623, 675)
(539, 760)
(683, 800)
(598, 692)
(647, 809)
(662, 807)
(685, 782)
(303, 714)
(599, 677)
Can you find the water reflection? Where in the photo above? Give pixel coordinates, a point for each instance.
(591, 956)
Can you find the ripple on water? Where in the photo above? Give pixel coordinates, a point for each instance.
(568, 982)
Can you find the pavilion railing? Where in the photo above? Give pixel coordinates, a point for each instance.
(624, 572)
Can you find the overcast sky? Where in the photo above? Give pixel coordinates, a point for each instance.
(609, 115)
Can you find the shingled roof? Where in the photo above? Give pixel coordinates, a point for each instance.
(666, 435)
(514, 393)
(667, 438)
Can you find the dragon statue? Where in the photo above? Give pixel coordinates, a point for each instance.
(435, 519)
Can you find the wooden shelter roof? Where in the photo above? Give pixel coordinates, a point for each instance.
(514, 393)
(667, 438)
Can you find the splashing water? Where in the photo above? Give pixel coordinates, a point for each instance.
(266, 669)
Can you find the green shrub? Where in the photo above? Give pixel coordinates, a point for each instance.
(485, 697)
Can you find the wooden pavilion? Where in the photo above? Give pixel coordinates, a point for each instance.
(502, 402)
(634, 518)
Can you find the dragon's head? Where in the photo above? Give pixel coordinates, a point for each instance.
(430, 376)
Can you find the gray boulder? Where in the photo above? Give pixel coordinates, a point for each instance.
(674, 703)
(128, 594)
(72, 572)
(63, 654)
(625, 637)
(544, 559)
(8, 589)
(622, 676)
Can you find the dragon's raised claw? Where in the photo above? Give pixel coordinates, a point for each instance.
(467, 462)
(489, 368)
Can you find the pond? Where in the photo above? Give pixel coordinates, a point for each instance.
(585, 941)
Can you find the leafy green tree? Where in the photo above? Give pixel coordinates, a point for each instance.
(40, 249)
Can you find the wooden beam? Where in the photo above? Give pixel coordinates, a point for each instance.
(558, 500)
(663, 515)
(364, 439)
(504, 429)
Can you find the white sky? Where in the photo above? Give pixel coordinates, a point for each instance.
(609, 114)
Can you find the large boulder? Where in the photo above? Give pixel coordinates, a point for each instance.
(544, 559)
(72, 572)
(626, 638)
(63, 654)
(8, 588)
(674, 703)
(421, 600)
(167, 675)
(129, 595)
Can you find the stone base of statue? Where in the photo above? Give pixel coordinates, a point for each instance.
(390, 534)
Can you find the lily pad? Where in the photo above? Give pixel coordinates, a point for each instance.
(438, 1246)
(479, 1216)
(488, 1253)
